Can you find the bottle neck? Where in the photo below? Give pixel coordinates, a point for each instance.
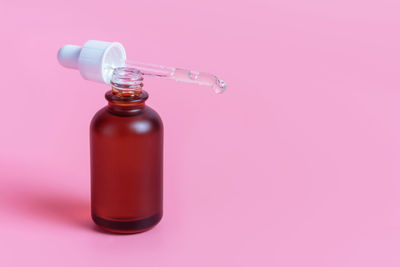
(126, 105)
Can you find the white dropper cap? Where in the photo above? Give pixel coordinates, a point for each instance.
(95, 60)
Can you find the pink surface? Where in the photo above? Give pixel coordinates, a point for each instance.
(296, 165)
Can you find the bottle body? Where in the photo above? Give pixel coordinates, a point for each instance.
(126, 143)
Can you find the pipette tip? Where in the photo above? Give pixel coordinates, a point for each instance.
(219, 86)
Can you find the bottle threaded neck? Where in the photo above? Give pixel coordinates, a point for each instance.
(127, 82)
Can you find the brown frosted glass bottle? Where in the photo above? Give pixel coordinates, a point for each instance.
(126, 142)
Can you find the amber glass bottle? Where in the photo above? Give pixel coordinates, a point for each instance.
(126, 141)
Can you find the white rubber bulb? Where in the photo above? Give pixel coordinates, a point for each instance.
(95, 60)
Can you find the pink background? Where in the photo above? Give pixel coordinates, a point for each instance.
(297, 164)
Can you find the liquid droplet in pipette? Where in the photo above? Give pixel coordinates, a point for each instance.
(193, 75)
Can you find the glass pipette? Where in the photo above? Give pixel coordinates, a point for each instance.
(180, 75)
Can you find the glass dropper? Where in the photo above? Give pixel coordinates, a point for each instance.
(96, 61)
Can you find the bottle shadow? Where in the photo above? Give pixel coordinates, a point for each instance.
(59, 208)
(36, 195)
(47, 205)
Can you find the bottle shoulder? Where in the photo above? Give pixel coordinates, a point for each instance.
(144, 120)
